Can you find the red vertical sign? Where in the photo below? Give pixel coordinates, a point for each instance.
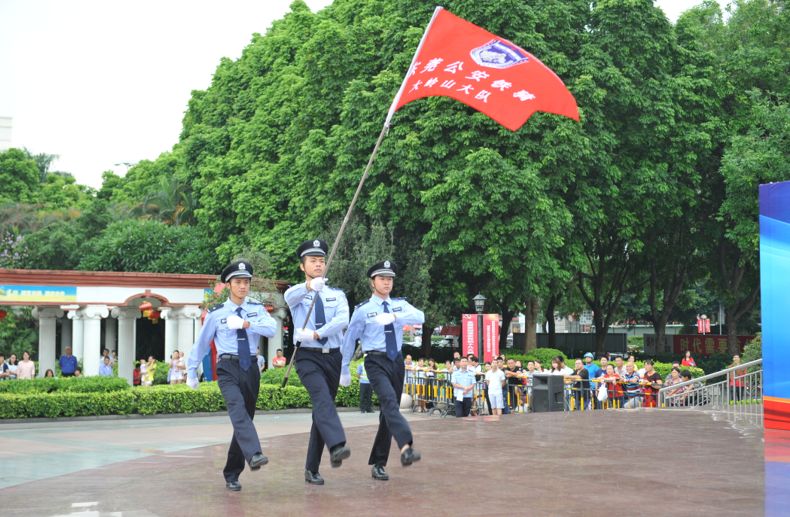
(490, 336)
(469, 334)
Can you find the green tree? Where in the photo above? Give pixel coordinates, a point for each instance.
(134, 245)
(19, 177)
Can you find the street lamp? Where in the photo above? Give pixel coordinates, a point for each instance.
(480, 302)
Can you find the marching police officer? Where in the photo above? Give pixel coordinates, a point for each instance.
(235, 326)
(378, 323)
(318, 359)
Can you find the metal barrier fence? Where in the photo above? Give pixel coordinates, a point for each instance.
(736, 393)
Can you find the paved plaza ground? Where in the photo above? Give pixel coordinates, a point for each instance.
(643, 462)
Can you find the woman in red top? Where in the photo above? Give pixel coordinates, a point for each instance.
(737, 378)
(651, 382)
(688, 360)
(613, 387)
(279, 360)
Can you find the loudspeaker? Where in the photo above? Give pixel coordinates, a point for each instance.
(547, 393)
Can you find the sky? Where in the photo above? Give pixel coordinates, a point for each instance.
(102, 84)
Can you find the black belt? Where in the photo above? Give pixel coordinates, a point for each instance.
(233, 357)
(320, 350)
(382, 354)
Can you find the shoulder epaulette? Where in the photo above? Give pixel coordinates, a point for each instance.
(216, 307)
(357, 306)
(403, 298)
(253, 301)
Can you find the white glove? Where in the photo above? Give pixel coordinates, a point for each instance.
(316, 284)
(304, 335)
(345, 377)
(235, 322)
(192, 381)
(385, 318)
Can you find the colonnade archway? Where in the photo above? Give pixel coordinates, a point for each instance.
(134, 314)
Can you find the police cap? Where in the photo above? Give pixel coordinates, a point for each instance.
(237, 269)
(385, 268)
(314, 248)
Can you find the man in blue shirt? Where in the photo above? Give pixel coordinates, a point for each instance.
(235, 327)
(68, 363)
(318, 359)
(463, 381)
(378, 324)
(105, 368)
(594, 372)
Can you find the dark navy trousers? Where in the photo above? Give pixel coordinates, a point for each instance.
(240, 390)
(386, 377)
(320, 375)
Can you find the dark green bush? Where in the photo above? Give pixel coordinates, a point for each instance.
(66, 404)
(275, 376)
(180, 398)
(65, 384)
(149, 400)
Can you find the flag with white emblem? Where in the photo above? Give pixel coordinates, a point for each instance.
(458, 59)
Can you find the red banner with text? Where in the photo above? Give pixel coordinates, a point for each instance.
(490, 336)
(469, 335)
(705, 345)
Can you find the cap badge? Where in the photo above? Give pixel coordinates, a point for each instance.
(242, 266)
(387, 263)
(317, 243)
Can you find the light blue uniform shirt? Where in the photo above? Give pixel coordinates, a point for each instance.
(364, 328)
(216, 327)
(465, 378)
(336, 311)
(105, 370)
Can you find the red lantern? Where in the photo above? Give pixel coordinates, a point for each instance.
(3, 314)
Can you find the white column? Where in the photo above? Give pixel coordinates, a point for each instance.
(186, 327)
(65, 333)
(47, 322)
(170, 317)
(93, 315)
(276, 341)
(77, 335)
(111, 334)
(127, 326)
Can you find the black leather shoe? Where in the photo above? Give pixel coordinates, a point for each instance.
(379, 473)
(409, 456)
(257, 461)
(234, 486)
(338, 454)
(314, 478)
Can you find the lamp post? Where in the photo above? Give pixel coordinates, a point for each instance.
(480, 302)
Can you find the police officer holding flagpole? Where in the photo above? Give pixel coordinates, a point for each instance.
(318, 361)
(378, 323)
(235, 326)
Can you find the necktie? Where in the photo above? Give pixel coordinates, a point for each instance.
(320, 316)
(389, 337)
(243, 345)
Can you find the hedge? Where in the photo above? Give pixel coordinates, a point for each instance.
(65, 384)
(153, 400)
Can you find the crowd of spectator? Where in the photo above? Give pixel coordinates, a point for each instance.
(506, 384)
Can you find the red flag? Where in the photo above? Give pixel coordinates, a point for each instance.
(458, 59)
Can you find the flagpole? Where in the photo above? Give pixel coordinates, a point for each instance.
(384, 131)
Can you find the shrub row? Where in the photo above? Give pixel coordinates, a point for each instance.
(65, 384)
(153, 400)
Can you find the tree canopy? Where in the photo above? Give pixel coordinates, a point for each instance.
(651, 197)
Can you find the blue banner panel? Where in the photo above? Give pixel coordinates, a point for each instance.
(775, 299)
